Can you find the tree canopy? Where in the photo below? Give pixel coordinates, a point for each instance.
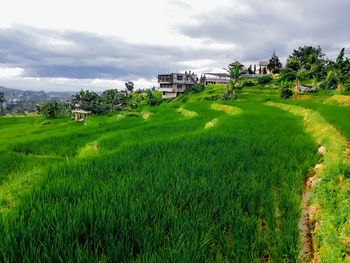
(307, 55)
(274, 65)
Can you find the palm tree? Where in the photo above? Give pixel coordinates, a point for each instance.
(340, 69)
(234, 74)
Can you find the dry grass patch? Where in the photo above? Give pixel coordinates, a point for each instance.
(211, 123)
(339, 99)
(187, 113)
(232, 110)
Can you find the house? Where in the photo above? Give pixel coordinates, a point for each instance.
(216, 78)
(237, 63)
(303, 89)
(263, 65)
(173, 84)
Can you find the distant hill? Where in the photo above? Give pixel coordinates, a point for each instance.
(18, 94)
(19, 100)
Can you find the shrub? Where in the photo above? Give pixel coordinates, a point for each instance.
(247, 83)
(329, 84)
(286, 93)
(290, 76)
(229, 95)
(265, 79)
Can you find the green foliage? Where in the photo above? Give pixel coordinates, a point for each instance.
(163, 190)
(51, 109)
(286, 93)
(229, 95)
(250, 70)
(152, 100)
(195, 89)
(289, 76)
(247, 83)
(293, 64)
(89, 101)
(113, 100)
(129, 86)
(307, 56)
(234, 73)
(265, 79)
(2, 100)
(329, 84)
(274, 64)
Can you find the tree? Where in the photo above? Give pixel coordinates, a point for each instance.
(306, 55)
(250, 70)
(152, 100)
(274, 64)
(49, 109)
(202, 79)
(234, 73)
(112, 99)
(293, 64)
(129, 86)
(254, 69)
(264, 71)
(340, 70)
(2, 100)
(88, 100)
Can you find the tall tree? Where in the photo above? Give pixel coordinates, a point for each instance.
(234, 73)
(340, 69)
(293, 64)
(307, 54)
(250, 70)
(274, 65)
(129, 86)
(2, 100)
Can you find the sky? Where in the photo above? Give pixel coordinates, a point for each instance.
(68, 45)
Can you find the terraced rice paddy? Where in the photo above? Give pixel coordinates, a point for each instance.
(157, 189)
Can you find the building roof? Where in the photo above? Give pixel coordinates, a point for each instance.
(220, 75)
(236, 63)
(264, 63)
(81, 111)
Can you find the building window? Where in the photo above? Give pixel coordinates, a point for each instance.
(179, 86)
(179, 77)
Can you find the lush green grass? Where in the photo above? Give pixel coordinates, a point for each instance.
(164, 189)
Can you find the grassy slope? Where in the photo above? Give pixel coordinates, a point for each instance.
(161, 189)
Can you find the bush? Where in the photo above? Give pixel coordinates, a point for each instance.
(195, 89)
(265, 79)
(229, 95)
(329, 84)
(286, 93)
(247, 83)
(210, 98)
(289, 76)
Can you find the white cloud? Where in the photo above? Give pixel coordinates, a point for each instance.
(10, 72)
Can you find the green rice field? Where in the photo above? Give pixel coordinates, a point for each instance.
(196, 184)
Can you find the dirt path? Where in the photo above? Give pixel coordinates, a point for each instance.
(333, 152)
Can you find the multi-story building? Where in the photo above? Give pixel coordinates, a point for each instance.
(173, 84)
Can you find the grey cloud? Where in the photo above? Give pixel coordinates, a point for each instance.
(265, 26)
(72, 54)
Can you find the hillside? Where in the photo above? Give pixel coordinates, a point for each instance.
(195, 179)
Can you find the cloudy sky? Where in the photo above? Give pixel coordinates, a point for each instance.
(100, 44)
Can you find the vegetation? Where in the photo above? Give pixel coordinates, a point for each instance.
(274, 65)
(197, 178)
(184, 201)
(2, 100)
(265, 79)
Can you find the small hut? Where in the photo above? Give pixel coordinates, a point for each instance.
(80, 114)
